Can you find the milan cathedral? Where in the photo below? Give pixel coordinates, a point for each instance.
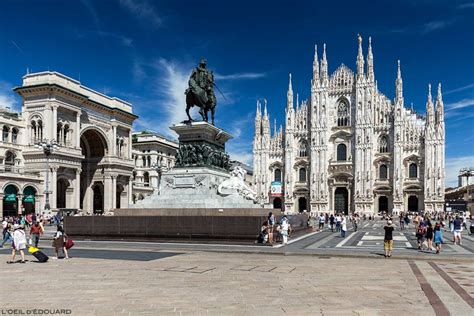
(350, 149)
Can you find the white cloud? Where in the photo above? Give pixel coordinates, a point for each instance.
(239, 76)
(453, 165)
(469, 86)
(7, 97)
(435, 25)
(244, 157)
(464, 103)
(142, 10)
(171, 82)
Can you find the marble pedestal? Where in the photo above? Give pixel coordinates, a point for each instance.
(201, 166)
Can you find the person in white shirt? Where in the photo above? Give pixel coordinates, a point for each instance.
(19, 243)
(343, 227)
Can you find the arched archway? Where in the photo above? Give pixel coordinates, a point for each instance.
(10, 201)
(383, 204)
(94, 148)
(413, 203)
(302, 204)
(341, 201)
(98, 205)
(62, 186)
(29, 199)
(277, 203)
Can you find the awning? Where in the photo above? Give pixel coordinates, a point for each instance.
(10, 198)
(29, 198)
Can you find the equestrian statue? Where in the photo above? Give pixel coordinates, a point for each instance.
(200, 92)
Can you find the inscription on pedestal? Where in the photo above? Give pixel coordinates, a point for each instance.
(184, 182)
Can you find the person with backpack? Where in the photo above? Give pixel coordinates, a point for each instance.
(19, 243)
(420, 235)
(59, 242)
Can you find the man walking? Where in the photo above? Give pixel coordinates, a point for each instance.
(388, 239)
(457, 228)
(35, 233)
(331, 222)
(322, 219)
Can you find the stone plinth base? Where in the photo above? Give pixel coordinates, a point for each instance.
(194, 188)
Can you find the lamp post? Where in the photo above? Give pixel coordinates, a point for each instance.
(160, 169)
(47, 146)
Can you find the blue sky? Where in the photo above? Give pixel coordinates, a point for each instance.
(143, 51)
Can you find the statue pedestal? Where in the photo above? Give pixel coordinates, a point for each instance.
(201, 166)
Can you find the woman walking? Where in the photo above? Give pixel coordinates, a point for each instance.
(19, 243)
(429, 236)
(438, 237)
(59, 242)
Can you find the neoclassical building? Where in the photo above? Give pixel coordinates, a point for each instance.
(91, 170)
(350, 148)
(153, 155)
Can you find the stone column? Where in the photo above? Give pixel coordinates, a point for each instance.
(78, 130)
(114, 140)
(129, 144)
(77, 189)
(53, 187)
(114, 191)
(55, 124)
(130, 192)
(107, 192)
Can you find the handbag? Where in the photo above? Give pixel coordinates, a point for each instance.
(69, 244)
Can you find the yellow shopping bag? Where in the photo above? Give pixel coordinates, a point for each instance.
(32, 249)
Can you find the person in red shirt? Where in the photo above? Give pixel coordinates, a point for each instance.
(35, 232)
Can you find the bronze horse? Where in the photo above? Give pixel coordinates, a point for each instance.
(205, 100)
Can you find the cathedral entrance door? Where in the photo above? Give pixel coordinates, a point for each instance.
(413, 203)
(302, 204)
(277, 203)
(341, 203)
(383, 204)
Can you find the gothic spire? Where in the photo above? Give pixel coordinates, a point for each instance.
(274, 127)
(315, 66)
(429, 108)
(370, 62)
(399, 84)
(265, 112)
(289, 95)
(360, 59)
(439, 106)
(259, 109)
(324, 65)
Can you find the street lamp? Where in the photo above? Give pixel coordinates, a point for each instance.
(47, 146)
(160, 169)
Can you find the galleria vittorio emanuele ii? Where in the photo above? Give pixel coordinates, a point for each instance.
(351, 149)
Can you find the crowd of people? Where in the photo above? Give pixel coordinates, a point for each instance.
(429, 227)
(23, 231)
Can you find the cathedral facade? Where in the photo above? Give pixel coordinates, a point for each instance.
(350, 148)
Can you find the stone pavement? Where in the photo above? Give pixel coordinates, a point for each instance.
(203, 283)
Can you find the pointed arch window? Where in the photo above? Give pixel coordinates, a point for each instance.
(383, 144)
(343, 115)
(303, 152)
(302, 175)
(341, 152)
(383, 172)
(413, 171)
(277, 175)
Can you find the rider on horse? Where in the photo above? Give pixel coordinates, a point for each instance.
(201, 91)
